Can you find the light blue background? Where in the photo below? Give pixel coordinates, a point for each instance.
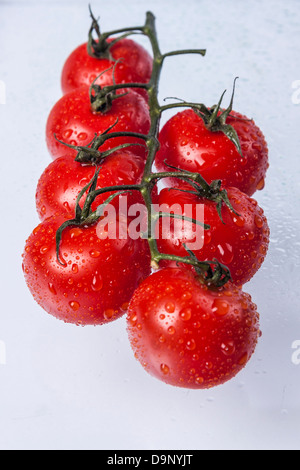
(64, 387)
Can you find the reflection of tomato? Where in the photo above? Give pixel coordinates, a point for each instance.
(80, 68)
(190, 336)
(98, 278)
(187, 144)
(241, 242)
(64, 178)
(74, 122)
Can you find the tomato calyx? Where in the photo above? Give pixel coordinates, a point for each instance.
(212, 192)
(215, 119)
(101, 98)
(90, 154)
(99, 48)
(211, 273)
(84, 216)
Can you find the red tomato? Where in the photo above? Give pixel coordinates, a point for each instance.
(240, 243)
(187, 335)
(64, 179)
(98, 278)
(135, 66)
(187, 144)
(74, 122)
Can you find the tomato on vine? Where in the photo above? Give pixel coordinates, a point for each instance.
(238, 235)
(188, 335)
(78, 116)
(94, 278)
(63, 180)
(218, 144)
(89, 60)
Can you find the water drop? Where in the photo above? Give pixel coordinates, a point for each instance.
(191, 344)
(258, 221)
(239, 221)
(52, 288)
(108, 314)
(95, 254)
(75, 269)
(165, 369)
(220, 307)
(199, 380)
(171, 330)
(185, 314)
(82, 136)
(170, 307)
(228, 348)
(261, 184)
(67, 134)
(74, 305)
(97, 283)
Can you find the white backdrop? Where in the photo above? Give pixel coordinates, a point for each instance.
(64, 387)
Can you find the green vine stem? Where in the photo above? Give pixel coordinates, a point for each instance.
(213, 273)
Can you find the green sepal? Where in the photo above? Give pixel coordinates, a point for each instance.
(216, 122)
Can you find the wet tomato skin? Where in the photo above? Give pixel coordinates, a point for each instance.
(187, 144)
(238, 241)
(73, 122)
(98, 278)
(64, 178)
(187, 335)
(80, 69)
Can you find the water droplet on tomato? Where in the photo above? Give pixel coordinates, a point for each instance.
(186, 296)
(133, 319)
(191, 344)
(67, 206)
(261, 184)
(52, 288)
(170, 307)
(67, 134)
(171, 330)
(95, 254)
(226, 253)
(199, 380)
(243, 359)
(165, 369)
(258, 221)
(44, 250)
(74, 305)
(75, 232)
(97, 283)
(108, 314)
(228, 348)
(82, 136)
(75, 269)
(186, 314)
(239, 221)
(220, 307)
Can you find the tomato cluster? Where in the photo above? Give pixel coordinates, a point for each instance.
(188, 320)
